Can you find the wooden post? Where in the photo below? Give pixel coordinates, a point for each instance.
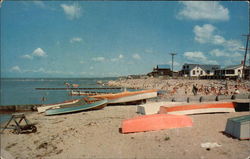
(244, 62)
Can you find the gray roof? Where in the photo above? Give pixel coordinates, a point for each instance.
(210, 67)
(204, 67)
(233, 67)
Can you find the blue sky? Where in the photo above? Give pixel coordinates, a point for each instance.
(103, 39)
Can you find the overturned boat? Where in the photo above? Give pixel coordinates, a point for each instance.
(155, 122)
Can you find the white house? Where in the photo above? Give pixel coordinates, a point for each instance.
(197, 70)
(230, 71)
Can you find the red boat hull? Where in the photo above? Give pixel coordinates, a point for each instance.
(155, 122)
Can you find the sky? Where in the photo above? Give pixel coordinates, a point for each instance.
(112, 38)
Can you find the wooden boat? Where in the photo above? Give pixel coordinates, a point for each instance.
(125, 97)
(48, 106)
(155, 122)
(83, 104)
(199, 108)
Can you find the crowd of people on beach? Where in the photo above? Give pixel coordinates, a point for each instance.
(186, 87)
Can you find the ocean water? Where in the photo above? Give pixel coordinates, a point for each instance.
(19, 91)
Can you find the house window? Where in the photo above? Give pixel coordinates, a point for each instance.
(208, 72)
(197, 71)
(229, 71)
(201, 72)
(183, 67)
(187, 66)
(193, 72)
(239, 71)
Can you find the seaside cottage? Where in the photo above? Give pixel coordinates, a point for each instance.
(161, 70)
(247, 72)
(197, 70)
(233, 71)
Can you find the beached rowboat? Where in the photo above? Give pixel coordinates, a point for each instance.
(48, 106)
(155, 122)
(83, 104)
(125, 97)
(199, 108)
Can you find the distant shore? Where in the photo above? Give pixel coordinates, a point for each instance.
(184, 87)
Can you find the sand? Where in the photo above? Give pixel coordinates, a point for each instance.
(95, 134)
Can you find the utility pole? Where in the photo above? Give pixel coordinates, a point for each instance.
(173, 54)
(245, 56)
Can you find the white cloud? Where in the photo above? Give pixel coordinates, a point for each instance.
(218, 40)
(117, 58)
(30, 57)
(218, 53)
(75, 39)
(15, 69)
(136, 56)
(204, 34)
(199, 57)
(223, 53)
(72, 11)
(228, 48)
(44, 71)
(39, 53)
(120, 56)
(36, 53)
(98, 59)
(195, 56)
(203, 10)
(233, 45)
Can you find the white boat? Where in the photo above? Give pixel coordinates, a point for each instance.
(126, 97)
(48, 106)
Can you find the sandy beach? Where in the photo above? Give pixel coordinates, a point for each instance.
(95, 134)
(171, 72)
